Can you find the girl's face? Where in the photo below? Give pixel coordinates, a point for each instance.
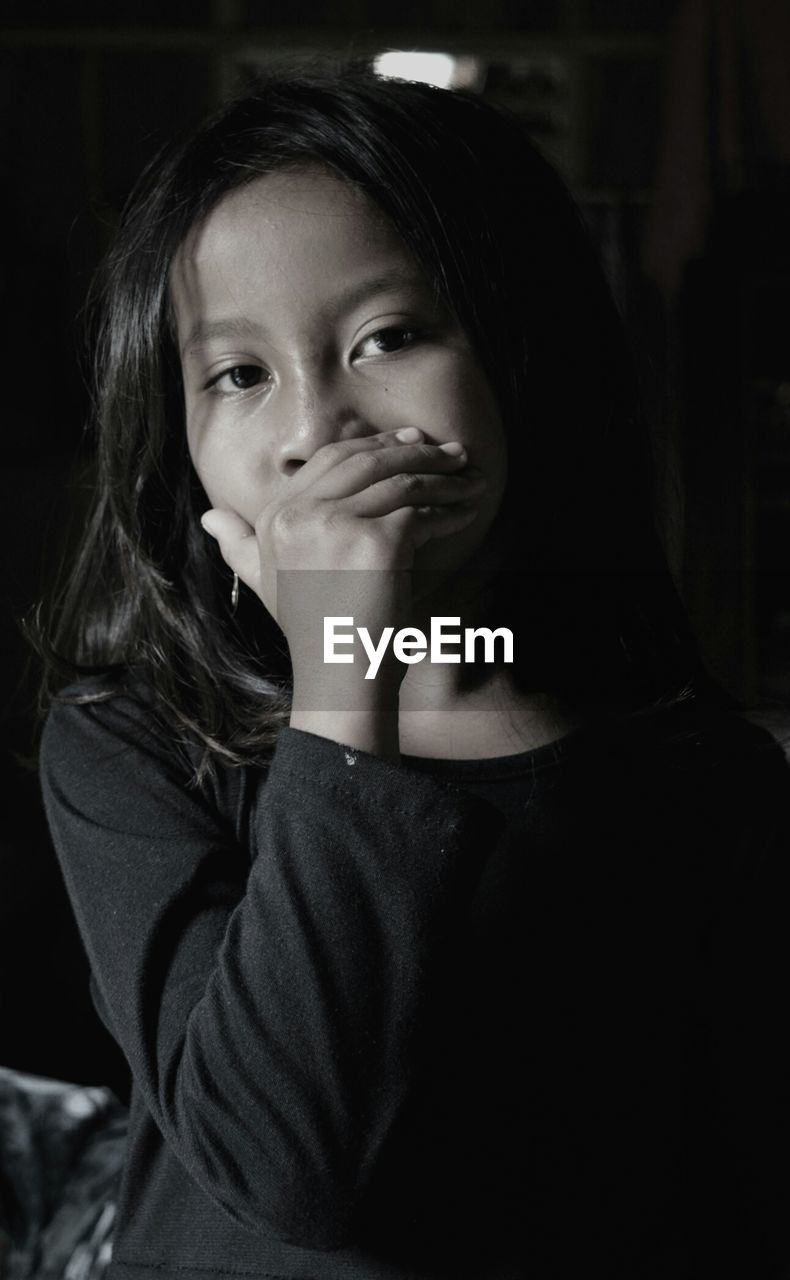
(303, 318)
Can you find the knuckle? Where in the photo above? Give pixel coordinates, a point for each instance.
(368, 465)
(333, 518)
(285, 520)
(402, 519)
(374, 541)
(412, 482)
(430, 453)
(333, 452)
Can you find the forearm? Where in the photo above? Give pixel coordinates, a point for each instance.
(269, 996)
(297, 1060)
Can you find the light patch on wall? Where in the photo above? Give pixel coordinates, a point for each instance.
(440, 69)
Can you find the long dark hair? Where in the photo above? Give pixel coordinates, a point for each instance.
(504, 246)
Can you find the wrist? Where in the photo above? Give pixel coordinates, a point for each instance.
(373, 731)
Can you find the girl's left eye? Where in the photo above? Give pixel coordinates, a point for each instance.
(241, 377)
(388, 340)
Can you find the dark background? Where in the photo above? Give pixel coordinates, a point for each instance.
(671, 123)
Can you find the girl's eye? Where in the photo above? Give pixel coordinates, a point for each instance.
(242, 377)
(385, 341)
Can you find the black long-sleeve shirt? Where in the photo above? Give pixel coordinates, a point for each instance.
(488, 1019)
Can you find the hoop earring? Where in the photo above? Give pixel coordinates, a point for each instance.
(234, 594)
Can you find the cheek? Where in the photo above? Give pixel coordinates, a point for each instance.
(205, 467)
(218, 468)
(483, 431)
(456, 402)
(232, 485)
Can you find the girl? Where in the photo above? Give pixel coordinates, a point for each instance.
(468, 969)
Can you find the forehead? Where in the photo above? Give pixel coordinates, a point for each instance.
(290, 231)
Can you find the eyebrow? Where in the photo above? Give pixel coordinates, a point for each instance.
(205, 331)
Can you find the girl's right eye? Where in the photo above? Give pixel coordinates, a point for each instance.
(241, 377)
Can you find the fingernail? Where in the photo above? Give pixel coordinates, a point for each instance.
(454, 448)
(205, 520)
(410, 435)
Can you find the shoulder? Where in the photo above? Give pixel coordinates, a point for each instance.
(714, 766)
(103, 754)
(97, 715)
(689, 736)
(114, 734)
(774, 724)
(108, 743)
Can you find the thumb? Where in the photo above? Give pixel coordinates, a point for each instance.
(237, 542)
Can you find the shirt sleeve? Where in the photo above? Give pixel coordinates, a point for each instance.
(266, 984)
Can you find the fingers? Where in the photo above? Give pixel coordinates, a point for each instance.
(422, 524)
(416, 489)
(344, 467)
(237, 543)
(330, 455)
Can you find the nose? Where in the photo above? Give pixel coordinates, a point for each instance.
(314, 413)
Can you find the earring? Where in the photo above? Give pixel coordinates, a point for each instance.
(234, 593)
